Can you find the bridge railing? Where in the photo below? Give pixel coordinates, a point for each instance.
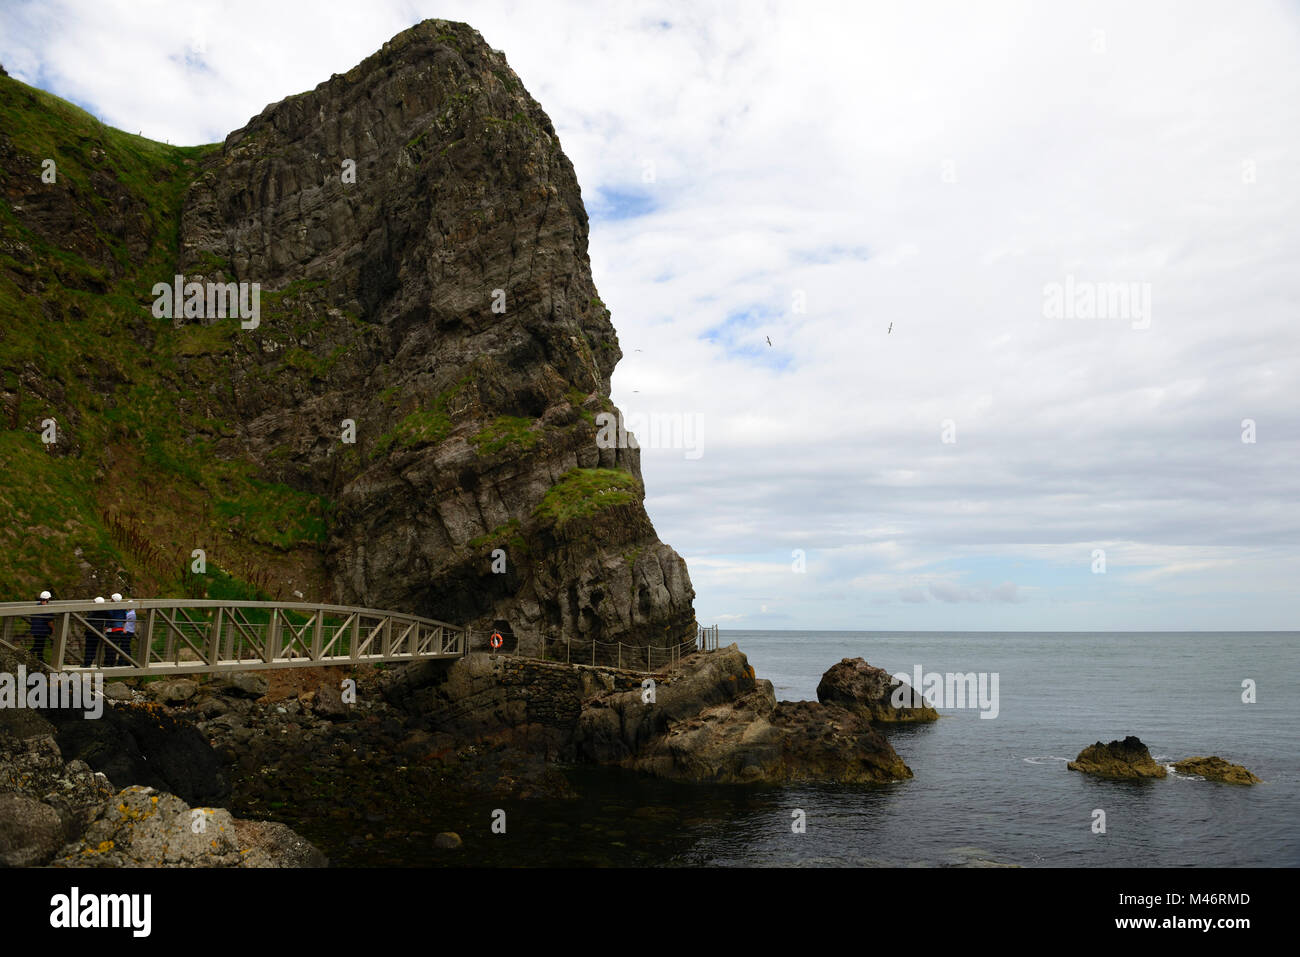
(609, 654)
(181, 636)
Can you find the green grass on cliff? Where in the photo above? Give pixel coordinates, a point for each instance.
(81, 346)
(503, 432)
(583, 492)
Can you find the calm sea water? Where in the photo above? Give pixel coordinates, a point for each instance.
(999, 789)
(984, 790)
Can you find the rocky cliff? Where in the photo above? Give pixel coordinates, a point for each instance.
(411, 422)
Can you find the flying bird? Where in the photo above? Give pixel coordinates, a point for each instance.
(769, 340)
(891, 328)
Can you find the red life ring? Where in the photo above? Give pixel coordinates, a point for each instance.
(497, 640)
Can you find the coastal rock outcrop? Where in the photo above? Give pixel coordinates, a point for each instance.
(1215, 768)
(1127, 759)
(54, 805)
(714, 721)
(421, 244)
(707, 719)
(857, 686)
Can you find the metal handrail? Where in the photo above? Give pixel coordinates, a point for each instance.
(638, 658)
(188, 636)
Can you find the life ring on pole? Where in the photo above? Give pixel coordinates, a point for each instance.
(496, 640)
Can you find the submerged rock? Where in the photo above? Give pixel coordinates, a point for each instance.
(1118, 759)
(871, 692)
(1214, 768)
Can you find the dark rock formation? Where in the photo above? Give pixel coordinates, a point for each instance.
(1215, 768)
(710, 719)
(713, 721)
(443, 301)
(857, 686)
(1119, 759)
(146, 746)
(51, 805)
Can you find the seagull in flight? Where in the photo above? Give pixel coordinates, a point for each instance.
(891, 328)
(769, 340)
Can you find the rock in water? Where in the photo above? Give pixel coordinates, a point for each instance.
(1119, 759)
(1214, 768)
(713, 721)
(857, 686)
(426, 240)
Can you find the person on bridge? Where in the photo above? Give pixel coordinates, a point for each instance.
(96, 622)
(40, 628)
(116, 634)
(129, 634)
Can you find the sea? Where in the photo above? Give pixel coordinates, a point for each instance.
(986, 792)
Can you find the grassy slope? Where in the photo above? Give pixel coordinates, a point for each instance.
(142, 490)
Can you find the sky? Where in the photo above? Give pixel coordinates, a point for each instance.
(966, 316)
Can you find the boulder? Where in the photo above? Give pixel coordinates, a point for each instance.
(30, 831)
(119, 691)
(142, 827)
(1214, 768)
(145, 745)
(173, 690)
(245, 684)
(328, 702)
(871, 692)
(1127, 759)
(271, 844)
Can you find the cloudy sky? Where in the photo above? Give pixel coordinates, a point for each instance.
(1026, 270)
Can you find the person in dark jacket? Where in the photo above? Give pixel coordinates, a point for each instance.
(96, 623)
(41, 628)
(116, 634)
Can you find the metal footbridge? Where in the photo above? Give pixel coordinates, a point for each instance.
(189, 636)
(178, 636)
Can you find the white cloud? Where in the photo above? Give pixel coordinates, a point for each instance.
(932, 166)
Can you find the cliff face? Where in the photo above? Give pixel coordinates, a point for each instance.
(448, 295)
(420, 243)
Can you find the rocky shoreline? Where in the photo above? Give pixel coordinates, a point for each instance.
(292, 743)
